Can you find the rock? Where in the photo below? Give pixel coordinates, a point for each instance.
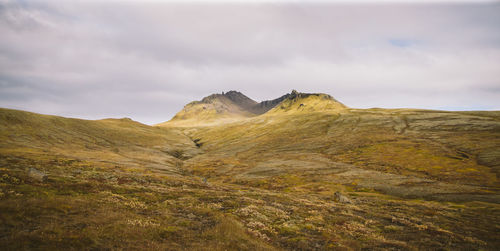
(37, 175)
(338, 197)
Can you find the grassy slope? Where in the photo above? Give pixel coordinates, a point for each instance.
(115, 140)
(414, 174)
(429, 144)
(210, 109)
(413, 177)
(113, 184)
(305, 103)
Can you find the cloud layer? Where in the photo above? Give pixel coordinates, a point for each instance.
(145, 61)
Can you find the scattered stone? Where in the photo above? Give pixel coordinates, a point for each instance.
(197, 142)
(338, 197)
(37, 175)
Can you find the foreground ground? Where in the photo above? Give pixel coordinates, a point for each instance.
(415, 180)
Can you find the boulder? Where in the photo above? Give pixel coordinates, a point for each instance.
(37, 175)
(338, 197)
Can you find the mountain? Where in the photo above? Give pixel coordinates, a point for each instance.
(234, 105)
(217, 106)
(301, 172)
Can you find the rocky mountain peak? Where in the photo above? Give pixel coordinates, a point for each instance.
(235, 104)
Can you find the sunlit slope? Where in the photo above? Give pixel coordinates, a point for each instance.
(450, 152)
(415, 180)
(115, 140)
(213, 107)
(304, 103)
(111, 184)
(234, 106)
(219, 108)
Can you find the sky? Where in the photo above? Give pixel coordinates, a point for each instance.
(146, 59)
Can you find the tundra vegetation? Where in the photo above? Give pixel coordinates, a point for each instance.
(302, 172)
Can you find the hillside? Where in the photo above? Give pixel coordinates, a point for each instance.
(103, 140)
(243, 175)
(72, 184)
(225, 107)
(217, 106)
(296, 102)
(311, 145)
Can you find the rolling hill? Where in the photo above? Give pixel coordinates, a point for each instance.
(230, 173)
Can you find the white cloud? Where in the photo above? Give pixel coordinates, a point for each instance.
(146, 61)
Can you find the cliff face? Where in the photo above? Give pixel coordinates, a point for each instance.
(267, 105)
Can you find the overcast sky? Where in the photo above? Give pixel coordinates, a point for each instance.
(146, 60)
